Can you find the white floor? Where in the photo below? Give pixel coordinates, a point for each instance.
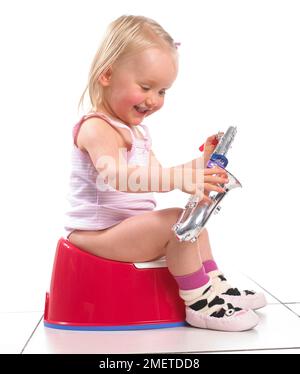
(278, 332)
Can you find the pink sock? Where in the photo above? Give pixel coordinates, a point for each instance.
(191, 281)
(210, 265)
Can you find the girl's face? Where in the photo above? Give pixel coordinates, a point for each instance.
(135, 87)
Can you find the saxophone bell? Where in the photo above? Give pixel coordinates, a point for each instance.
(196, 214)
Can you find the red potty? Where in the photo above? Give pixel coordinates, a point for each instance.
(92, 293)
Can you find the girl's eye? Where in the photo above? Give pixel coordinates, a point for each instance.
(162, 93)
(145, 88)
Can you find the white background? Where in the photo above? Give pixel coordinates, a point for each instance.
(239, 65)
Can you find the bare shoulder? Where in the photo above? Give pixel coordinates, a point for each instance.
(95, 130)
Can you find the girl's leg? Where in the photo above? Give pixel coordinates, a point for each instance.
(141, 238)
(204, 246)
(205, 307)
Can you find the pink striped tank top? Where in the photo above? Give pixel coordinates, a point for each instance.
(91, 208)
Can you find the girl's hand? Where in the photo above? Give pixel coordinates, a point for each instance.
(205, 181)
(210, 145)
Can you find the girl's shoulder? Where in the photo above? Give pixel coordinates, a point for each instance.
(95, 128)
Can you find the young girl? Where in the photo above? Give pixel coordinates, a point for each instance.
(111, 214)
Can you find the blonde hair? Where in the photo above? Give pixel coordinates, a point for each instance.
(126, 35)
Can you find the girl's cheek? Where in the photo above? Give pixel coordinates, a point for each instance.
(160, 104)
(135, 98)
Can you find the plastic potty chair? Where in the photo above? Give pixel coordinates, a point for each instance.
(88, 292)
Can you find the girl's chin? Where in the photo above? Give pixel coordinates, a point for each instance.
(136, 120)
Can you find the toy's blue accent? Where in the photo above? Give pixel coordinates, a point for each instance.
(115, 328)
(219, 159)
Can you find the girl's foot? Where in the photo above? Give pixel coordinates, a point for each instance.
(243, 299)
(208, 310)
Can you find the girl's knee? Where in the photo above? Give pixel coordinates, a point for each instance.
(169, 217)
(204, 232)
(173, 213)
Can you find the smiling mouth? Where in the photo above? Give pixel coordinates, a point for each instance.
(141, 110)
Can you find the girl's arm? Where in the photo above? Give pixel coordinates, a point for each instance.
(100, 141)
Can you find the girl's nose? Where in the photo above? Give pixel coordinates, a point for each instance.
(151, 101)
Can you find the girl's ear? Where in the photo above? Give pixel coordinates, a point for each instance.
(105, 77)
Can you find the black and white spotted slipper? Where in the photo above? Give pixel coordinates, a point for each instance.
(243, 299)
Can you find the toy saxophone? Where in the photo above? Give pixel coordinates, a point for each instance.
(195, 215)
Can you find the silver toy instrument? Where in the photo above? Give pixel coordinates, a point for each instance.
(196, 214)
